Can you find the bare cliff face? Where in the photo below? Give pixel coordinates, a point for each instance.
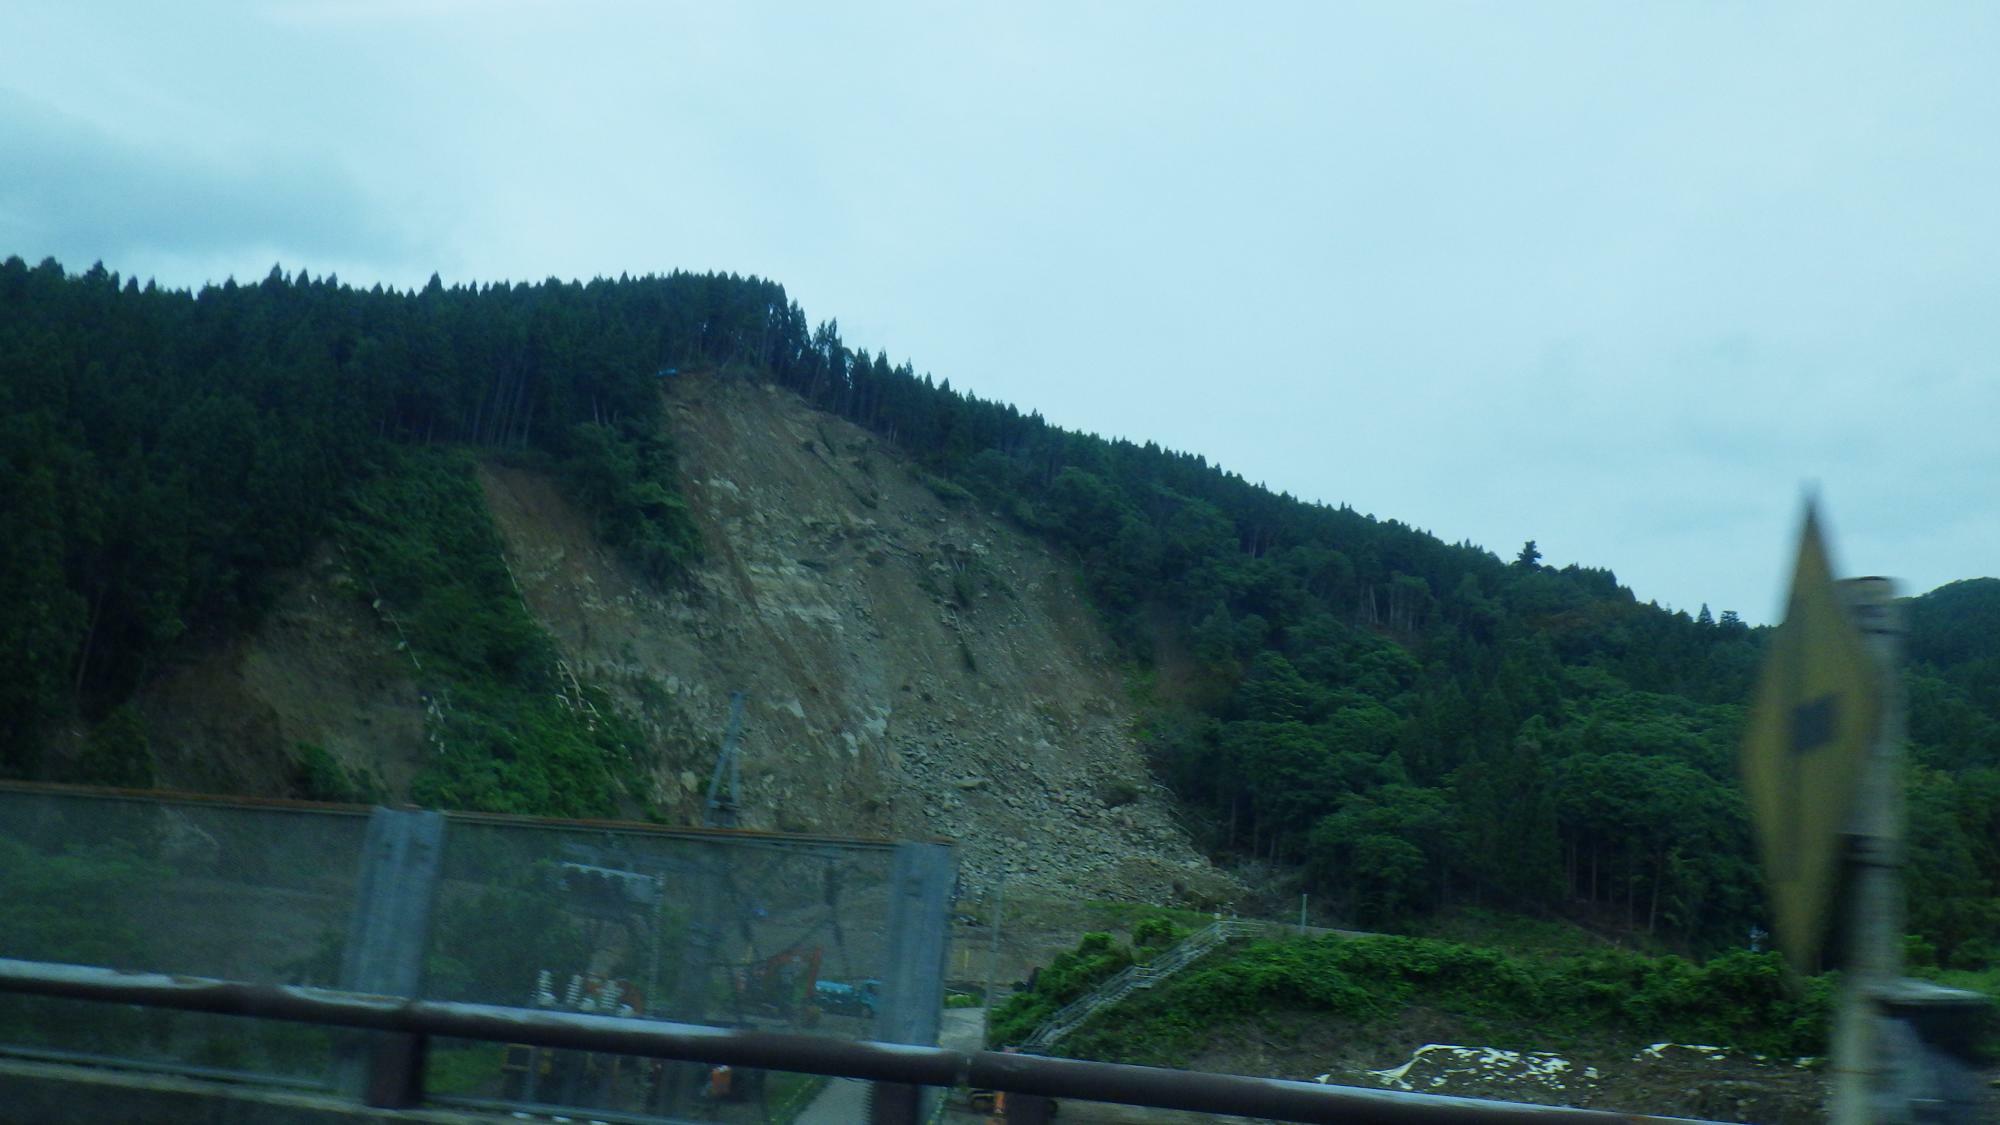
(915, 666)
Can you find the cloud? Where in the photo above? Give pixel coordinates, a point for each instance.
(349, 13)
(1620, 286)
(73, 191)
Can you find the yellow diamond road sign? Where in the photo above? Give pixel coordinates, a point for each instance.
(1806, 747)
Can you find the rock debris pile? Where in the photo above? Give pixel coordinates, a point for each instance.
(917, 667)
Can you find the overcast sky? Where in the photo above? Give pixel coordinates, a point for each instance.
(1618, 278)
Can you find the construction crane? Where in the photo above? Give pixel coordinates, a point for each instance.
(721, 811)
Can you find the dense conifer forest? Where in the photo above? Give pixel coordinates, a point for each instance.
(1401, 723)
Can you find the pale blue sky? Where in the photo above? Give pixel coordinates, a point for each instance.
(1615, 277)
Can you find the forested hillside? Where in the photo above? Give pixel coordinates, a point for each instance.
(1403, 722)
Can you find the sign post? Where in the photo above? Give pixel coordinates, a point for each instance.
(1812, 732)
(1864, 1065)
(1822, 765)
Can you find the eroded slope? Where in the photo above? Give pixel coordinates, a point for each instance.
(914, 668)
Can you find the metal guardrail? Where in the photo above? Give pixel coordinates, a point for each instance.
(286, 804)
(1132, 978)
(396, 1071)
(704, 926)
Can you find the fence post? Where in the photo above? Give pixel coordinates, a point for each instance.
(386, 939)
(993, 958)
(912, 993)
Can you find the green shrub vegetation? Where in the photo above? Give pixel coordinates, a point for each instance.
(318, 776)
(41, 922)
(1066, 978)
(1413, 726)
(1403, 725)
(1739, 999)
(164, 454)
(1156, 932)
(117, 753)
(508, 731)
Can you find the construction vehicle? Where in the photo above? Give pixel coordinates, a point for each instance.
(571, 1077)
(782, 986)
(622, 901)
(1002, 1108)
(842, 998)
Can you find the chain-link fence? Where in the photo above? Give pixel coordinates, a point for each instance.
(800, 934)
(244, 893)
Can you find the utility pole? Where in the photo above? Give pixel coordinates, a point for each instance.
(725, 785)
(1862, 1066)
(710, 907)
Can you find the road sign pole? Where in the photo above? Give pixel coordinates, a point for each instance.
(1809, 742)
(1874, 869)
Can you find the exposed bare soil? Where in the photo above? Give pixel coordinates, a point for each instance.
(1446, 1057)
(915, 667)
(320, 667)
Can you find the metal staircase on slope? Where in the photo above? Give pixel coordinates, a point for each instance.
(1135, 977)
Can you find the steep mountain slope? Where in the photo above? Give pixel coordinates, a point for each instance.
(261, 508)
(914, 666)
(320, 668)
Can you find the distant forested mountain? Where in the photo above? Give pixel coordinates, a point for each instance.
(1401, 722)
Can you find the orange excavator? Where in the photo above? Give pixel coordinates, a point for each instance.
(781, 986)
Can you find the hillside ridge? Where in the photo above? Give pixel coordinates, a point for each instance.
(915, 668)
(1397, 725)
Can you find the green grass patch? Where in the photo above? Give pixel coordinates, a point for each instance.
(1515, 933)
(788, 1093)
(1740, 999)
(1066, 978)
(470, 1070)
(507, 731)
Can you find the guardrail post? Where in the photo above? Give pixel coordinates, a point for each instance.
(912, 994)
(1261, 1098)
(386, 940)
